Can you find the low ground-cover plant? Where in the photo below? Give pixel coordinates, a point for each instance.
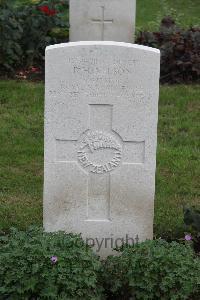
(180, 51)
(153, 270)
(38, 265)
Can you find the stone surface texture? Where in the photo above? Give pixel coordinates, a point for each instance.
(101, 112)
(102, 20)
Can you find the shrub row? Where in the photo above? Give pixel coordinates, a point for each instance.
(39, 265)
(180, 51)
(28, 29)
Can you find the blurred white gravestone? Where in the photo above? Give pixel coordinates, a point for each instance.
(102, 20)
(100, 141)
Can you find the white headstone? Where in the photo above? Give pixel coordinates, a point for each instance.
(102, 20)
(100, 141)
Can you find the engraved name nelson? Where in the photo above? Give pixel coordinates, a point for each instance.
(99, 152)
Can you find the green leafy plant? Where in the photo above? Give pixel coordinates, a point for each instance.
(180, 51)
(192, 217)
(192, 222)
(153, 270)
(39, 265)
(26, 31)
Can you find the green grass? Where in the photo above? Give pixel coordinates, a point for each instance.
(149, 12)
(21, 155)
(177, 157)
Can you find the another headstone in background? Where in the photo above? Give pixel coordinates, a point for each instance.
(102, 20)
(101, 116)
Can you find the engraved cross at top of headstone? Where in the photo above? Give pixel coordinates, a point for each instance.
(102, 21)
(100, 151)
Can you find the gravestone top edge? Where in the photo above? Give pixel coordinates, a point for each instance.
(102, 43)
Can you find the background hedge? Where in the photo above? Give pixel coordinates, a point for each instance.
(27, 29)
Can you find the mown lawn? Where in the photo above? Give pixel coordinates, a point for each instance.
(21, 155)
(149, 12)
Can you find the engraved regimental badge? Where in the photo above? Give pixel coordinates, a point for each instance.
(99, 152)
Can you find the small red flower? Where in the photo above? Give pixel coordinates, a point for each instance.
(52, 12)
(34, 70)
(46, 10)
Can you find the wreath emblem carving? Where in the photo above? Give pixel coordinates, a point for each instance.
(99, 152)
